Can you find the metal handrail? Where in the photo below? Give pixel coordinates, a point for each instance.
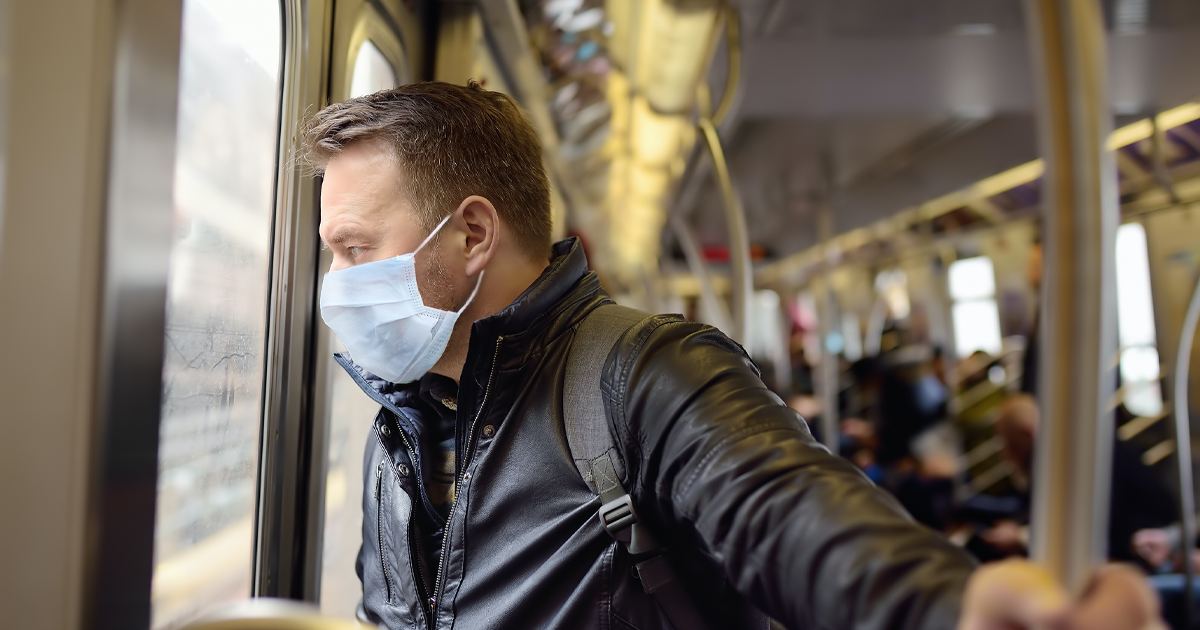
(978, 393)
(742, 285)
(1134, 427)
(1183, 440)
(733, 81)
(266, 613)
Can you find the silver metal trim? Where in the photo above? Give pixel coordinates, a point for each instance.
(1183, 442)
(288, 523)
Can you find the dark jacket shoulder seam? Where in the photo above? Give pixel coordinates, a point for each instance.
(644, 330)
(715, 451)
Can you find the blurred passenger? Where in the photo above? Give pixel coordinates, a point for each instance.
(1162, 549)
(1139, 499)
(911, 400)
(858, 444)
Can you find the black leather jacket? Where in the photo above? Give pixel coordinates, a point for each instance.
(759, 519)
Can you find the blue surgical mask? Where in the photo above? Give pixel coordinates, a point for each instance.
(376, 310)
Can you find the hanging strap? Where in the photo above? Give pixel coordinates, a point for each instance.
(595, 455)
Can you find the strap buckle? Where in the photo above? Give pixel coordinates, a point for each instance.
(617, 517)
(621, 522)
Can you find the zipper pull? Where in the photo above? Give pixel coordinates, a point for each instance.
(378, 480)
(432, 604)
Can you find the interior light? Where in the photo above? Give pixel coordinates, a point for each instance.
(975, 30)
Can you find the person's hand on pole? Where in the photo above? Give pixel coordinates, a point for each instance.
(1017, 595)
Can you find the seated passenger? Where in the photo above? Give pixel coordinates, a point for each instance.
(474, 333)
(1139, 499)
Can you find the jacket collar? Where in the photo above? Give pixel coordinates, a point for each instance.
(568, 265)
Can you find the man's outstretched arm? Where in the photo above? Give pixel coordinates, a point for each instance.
(801, 532)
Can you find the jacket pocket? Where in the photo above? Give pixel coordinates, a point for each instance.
(396, 558)
(379, 512)
(390, 596)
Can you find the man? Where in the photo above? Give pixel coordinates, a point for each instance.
(460, 314)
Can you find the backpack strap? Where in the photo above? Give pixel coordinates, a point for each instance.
(600, 465)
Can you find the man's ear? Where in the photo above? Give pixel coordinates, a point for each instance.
(482, 226)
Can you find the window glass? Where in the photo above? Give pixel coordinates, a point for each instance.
(976, 327)
(972, 278)
(216, 305)
(975, 316)
(1135, 323)
(350, 415)
(372, 72)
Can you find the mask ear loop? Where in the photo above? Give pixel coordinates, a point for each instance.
(433, 234)
(475, 292)
(478, 282)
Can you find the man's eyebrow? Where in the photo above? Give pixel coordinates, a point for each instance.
(340, 235)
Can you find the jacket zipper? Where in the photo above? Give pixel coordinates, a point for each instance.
(419, 563)
(387, 578)
(437, 585)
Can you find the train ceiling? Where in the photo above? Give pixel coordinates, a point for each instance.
(874, 106)
(870, 106)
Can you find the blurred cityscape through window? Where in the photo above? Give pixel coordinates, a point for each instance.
(227, 142)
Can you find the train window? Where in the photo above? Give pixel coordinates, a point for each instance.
(216, 326)
(1139, 367)
(372, 72)
(974, 313)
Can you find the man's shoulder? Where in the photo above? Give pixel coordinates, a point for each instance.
(664, 342)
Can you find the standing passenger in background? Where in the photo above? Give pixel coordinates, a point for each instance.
(1029, 361)
(460, 315)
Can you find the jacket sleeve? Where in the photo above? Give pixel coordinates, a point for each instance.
(802, 533)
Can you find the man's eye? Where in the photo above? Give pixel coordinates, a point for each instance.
(354, 251)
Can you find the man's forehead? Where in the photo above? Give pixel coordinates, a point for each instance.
(360, 180)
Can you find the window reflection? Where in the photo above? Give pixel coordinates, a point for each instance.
(372, 72)
(216, 305)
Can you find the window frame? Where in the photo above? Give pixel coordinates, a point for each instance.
(292, 461)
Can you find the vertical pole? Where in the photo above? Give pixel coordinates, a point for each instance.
(1072, 473)
(827, 324)
(742, 279)
(1183, 452)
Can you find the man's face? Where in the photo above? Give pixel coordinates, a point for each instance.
(365, 217)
